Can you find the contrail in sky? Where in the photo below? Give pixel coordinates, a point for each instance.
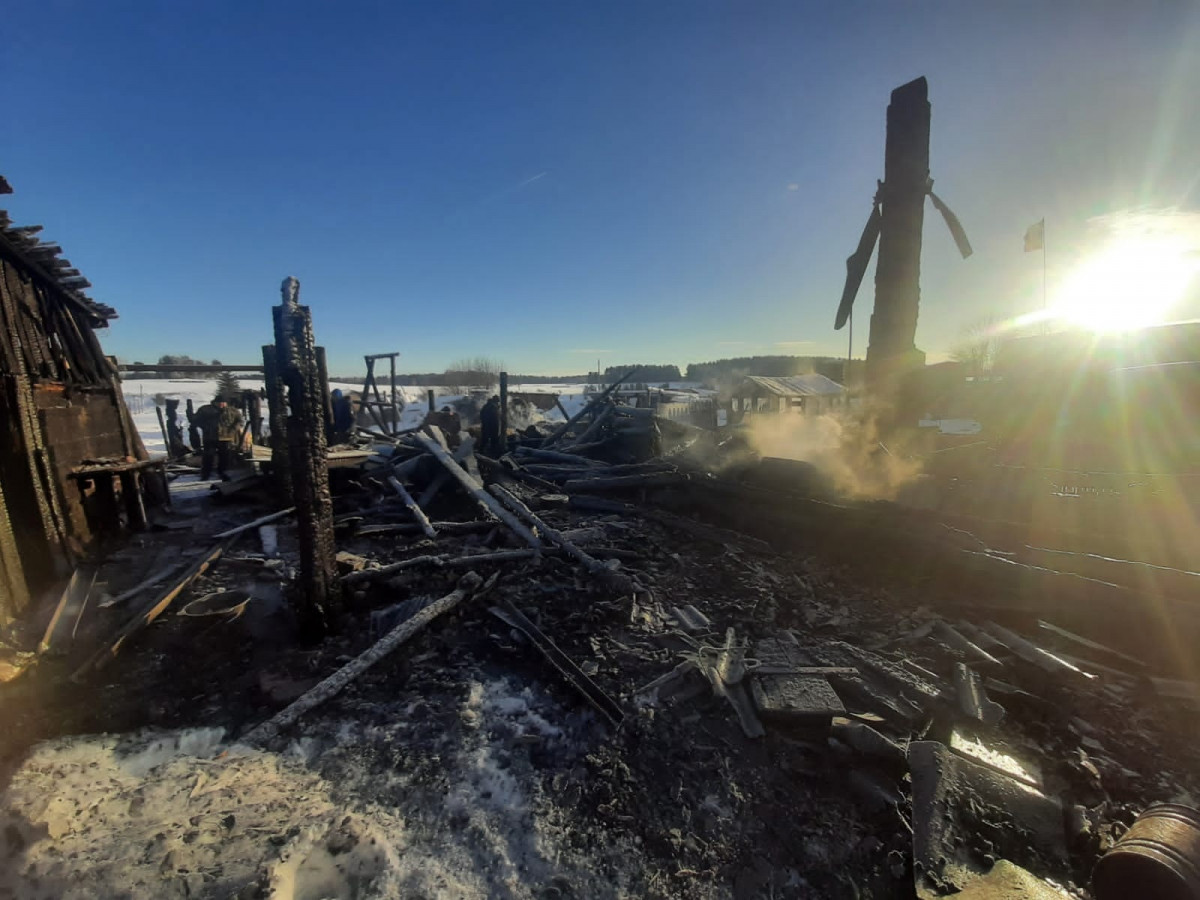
(520, 185)
(498, 195)
(530, 180)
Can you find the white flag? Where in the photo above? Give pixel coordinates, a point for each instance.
(1035, 236)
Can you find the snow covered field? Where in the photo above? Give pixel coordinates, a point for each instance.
(140, 397)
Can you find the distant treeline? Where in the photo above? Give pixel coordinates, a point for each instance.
(646, 372)
(167, 360)
(726, 370)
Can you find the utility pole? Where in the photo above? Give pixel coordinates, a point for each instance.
(891, 350)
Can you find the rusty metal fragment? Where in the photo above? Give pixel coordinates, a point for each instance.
(1158, 857)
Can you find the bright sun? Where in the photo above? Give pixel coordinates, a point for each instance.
(1132, 282)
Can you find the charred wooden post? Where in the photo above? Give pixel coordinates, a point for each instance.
(326, 397)
(175, 443)
(162, 426)
(131, 493)
(395, 408)
(373, 406)
(504, 410)
(377, 406)
(892, 348)
(296, 357)
(475, 489)
(591, 405)
(429, 395)
(277, 417)
(254, 416)
(417, 512)
(193, 431)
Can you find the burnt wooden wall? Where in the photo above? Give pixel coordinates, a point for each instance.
(60, 403)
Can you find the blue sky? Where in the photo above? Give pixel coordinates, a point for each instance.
(552, 182)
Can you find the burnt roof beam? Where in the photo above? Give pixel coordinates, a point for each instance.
(98, 314)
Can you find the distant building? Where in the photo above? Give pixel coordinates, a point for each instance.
(62, 408)
(803, 394)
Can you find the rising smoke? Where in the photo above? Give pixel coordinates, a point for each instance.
(845, 446)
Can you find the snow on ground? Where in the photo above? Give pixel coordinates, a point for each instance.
(141, 394)
(185, 814)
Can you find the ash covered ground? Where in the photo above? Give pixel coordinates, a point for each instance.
(464, 765)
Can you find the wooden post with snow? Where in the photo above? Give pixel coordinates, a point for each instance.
(318, 592)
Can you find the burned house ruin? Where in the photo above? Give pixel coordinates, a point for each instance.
(61, 401)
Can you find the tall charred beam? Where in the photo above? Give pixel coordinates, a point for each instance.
(395, 408)
(193, 429)
(892, 348)
(296, 356)
(277, 416)
(504, 409)
(326, 398)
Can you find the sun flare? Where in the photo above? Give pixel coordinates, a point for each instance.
(1132, 282)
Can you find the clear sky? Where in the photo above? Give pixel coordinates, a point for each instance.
(552, 182)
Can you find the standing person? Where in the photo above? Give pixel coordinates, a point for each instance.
(489, 421)
(205, 420)
(451, 426)
(343, 414)
(229, 432)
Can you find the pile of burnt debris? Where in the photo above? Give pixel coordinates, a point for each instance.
(757, 722)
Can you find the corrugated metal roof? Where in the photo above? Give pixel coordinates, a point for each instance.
(796, 385)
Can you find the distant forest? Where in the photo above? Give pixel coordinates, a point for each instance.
(168, 359)
(646, 373)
